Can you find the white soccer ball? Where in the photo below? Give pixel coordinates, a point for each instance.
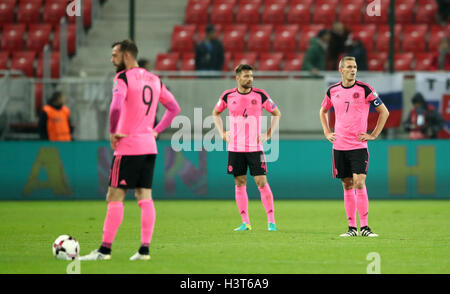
(66, 247)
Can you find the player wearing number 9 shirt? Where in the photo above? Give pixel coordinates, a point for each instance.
(136, 94)
(351, 100)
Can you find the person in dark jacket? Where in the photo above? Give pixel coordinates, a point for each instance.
(54, 122)
(423, 122)
(357, 50)
(209, 53)
(316, 54)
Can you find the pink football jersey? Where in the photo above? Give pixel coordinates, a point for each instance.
(351, 106)
(245, 112)
(136, 93)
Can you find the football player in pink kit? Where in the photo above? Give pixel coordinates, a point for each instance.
(351, 100)
(136, 93)
(245, 104)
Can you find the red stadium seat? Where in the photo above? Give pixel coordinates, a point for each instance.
(286, 38)
(299, 13)
(248, 13)
(325, 12)
(12, 37)
(24, 61)
(187, 62)
(4, 57)
(217, 2)
(197, 12)
(351, 13)
(293, 62)
(404, 11)
(403, 61)
(87, 14)
(55, 60)
(54, 10)
(234, 38)
(378, 19)
(38, 37)
(306, 33)
(273, 12)
(426, 11)
(376, 61)
(355, 2)
(259, 38)
(247, 58)
(29, 11)
(270, 61)
(384, 36)
(423, 61)
(226, 62)
(305, 2)
(71, 39)
(436, 35)
(201, 32)
(366, 34)
(7, 11)
(414, 38)
(182, 38)
(222, 13)
(167, 61)
(255, 2)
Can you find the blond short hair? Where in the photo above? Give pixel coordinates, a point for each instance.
(345, 58)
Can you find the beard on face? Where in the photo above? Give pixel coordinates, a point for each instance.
(247, 86)
(120, 67)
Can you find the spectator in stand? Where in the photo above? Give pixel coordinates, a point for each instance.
(209, 53)
(338, 40)
(54, 122)
(443, 11)
(423, 122)
(316, 54)
(357, 50)
(441, 60)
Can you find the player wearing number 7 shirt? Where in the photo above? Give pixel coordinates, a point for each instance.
(351, 100)
(136, 93)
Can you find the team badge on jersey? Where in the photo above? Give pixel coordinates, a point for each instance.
(356, 95)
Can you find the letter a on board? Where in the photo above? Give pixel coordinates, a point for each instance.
(48, 158)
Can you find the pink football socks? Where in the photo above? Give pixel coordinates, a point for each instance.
(148, 216)
(362, 205)
(242, 202)
(267, 200)
(350, 207)
(114, 217)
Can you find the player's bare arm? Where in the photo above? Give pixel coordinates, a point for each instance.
(382, 118)
(325, 126)
(273, 126)
(219, 125)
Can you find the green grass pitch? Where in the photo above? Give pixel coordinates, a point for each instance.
(194, 237)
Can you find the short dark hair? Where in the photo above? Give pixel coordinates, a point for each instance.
(55, 96)
(322, 33)
(127, 46)
(242, 67)
(210, 29)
